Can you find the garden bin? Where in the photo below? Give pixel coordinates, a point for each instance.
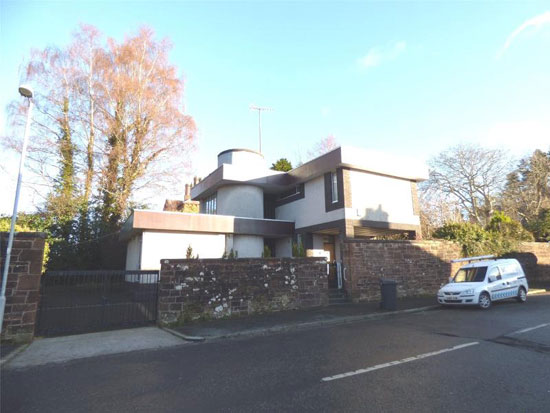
(388, 290)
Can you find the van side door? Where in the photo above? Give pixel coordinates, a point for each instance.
(496, 287)
(510, 274)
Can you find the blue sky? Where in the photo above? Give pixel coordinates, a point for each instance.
(411, 78)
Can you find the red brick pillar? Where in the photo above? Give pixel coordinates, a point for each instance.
(23, 286)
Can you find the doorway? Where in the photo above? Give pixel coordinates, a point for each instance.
(332, 274)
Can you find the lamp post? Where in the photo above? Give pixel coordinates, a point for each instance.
(26, 92)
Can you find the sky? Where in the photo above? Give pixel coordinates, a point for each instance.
(410, 78)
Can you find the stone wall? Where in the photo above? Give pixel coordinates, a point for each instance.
(23, 286)
(216, 288)
(419, 267)
(535, 260)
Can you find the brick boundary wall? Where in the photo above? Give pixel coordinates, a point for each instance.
(217, 288)
(535, 260)
(419, 267)
(23, 286)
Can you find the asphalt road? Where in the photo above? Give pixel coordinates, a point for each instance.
(469, 360)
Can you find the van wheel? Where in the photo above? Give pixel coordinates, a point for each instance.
(522, 295)
(484, 300)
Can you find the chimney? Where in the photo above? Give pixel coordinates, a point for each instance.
(195, 181)
(187, 196)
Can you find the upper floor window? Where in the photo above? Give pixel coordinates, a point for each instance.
(209, 205)
(334, 190)
(334, 187)
(292, 192)
(290, 195)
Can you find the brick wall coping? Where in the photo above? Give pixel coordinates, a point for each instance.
(242, 260)
(397, 241)
(25, 234)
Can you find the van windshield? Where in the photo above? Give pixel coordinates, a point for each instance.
(468, 275)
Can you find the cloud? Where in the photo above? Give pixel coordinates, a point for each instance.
(537, 22)
(376, 56)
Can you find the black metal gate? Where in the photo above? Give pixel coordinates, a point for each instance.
(73, 302)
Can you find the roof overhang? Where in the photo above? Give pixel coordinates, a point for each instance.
(362, 160)
(144, 220)
(348, 157)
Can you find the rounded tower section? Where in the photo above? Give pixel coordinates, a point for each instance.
(241, 200)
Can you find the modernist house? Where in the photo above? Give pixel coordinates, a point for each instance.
(245, 207)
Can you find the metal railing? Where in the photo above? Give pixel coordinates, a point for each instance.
(74, 302)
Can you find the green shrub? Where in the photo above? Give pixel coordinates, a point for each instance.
(502, 235)
(267, 252)
(508, 228)
(298, 249)
(541, 226)
(231, 256)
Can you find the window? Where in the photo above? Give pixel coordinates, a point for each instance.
(209, 205)
(334, 190)
(475, 274)
(334, 187)
(297, 190)
(290, 195)
(495, 272)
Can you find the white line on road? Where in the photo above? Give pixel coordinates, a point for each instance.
(395, 363)
(525, 330)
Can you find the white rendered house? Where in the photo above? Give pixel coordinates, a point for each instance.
(245, 206)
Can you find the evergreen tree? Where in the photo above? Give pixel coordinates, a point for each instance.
(282, 165)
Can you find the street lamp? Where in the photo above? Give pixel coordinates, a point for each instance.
(26, 92)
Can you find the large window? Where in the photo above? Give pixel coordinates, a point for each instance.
(334, 187)
(209, 205)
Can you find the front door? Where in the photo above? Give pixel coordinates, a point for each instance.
(332, 275)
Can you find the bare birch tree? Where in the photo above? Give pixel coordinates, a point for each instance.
(109, 123)
(472, 176)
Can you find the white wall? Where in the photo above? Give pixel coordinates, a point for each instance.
(244, 159)
(283, 247)
(309, 210)
(248, 246)
(380, 198)
(165, 245)
(318, 242)
(241, 201)
(133, 253)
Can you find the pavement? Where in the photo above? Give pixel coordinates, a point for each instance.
(459, 359)
(67, 348)
(6, 349)
(63, 349)
(269, 323)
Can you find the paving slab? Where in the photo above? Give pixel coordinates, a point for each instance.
(62, 349)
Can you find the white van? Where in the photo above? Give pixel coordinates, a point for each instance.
(481, 283)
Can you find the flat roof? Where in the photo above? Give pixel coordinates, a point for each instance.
(146, 220)
(350, 157)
